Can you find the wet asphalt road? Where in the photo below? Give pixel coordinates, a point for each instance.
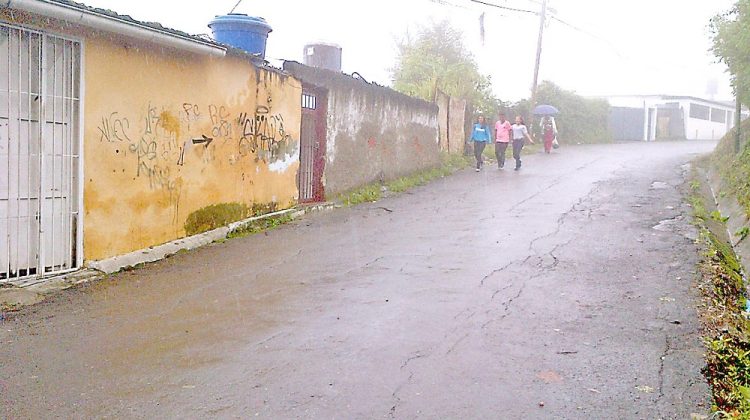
(477, 296)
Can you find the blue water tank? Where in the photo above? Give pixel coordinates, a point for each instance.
(241, 31)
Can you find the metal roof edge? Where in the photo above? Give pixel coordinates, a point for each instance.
(114, 18)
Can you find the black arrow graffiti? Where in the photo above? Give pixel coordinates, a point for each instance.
(203, 139)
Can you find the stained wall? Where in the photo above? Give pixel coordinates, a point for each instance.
(167, 133)
(373, 132)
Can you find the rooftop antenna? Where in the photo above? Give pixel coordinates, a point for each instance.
(235, 7)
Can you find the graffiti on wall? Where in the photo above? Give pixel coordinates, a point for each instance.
(113, 128)
(162, 141)
(262, 134)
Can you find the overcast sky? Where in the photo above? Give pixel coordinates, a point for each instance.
(616, 47)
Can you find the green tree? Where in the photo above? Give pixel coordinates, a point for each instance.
(437, 59)
(731, 44)
(581, 120)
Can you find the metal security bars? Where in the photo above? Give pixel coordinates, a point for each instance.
(312, 146)
(40, 147)
(307, 148)
(309, 101)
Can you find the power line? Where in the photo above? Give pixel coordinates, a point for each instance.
(592, 35)
(552, 15)
(512, 9)
(447, 3)
(485, 3)
(235, 7)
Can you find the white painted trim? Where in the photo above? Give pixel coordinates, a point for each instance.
(43, 175)
(81, 157)
(645, 121)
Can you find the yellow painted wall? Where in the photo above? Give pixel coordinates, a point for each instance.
(144, 106)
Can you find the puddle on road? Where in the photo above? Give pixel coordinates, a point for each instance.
(676, 225)
(669, 225)
(659, 185)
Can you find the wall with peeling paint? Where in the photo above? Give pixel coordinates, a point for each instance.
(457, 123)
(443, 102)
(168, 133)
(373, 132)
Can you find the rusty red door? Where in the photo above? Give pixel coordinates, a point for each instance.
(312, 145)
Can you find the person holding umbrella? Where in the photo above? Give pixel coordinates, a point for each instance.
(545, 110)
(549, 132)
(547, 124)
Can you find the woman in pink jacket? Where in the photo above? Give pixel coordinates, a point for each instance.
(502, 139)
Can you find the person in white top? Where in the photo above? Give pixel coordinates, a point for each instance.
(520, 135)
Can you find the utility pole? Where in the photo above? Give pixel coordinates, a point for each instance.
(737, 121)
(542, 22)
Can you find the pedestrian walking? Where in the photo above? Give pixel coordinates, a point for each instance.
(549, 132)
(503, 130)
(520, 135)
(480, 136)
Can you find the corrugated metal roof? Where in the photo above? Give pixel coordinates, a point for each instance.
(155, 26)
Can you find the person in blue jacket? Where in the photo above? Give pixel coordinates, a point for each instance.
(480, 136)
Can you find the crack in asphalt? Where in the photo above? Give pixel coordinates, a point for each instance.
(271, 338)
(540, 264)
(417, 355)
(501, 290)
(584, 204)
(558, 227)
(555, 259)
(377, 260)
(561, 220)
(456, 343)
(396, 398)
(536, 194)
(506, 305)
(495, 271)
(455, 317)
(553, 184)
(662, 359)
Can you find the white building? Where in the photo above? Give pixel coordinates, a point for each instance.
(661, 117)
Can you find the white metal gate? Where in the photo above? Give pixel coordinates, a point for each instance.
(40, 226)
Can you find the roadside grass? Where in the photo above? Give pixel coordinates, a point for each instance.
(374, 192)
(222, 214)
(742, 233)
(455, 161)
(6, 308)
(366, 194)
(726, 327)
(261, 225)
(734, 168)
